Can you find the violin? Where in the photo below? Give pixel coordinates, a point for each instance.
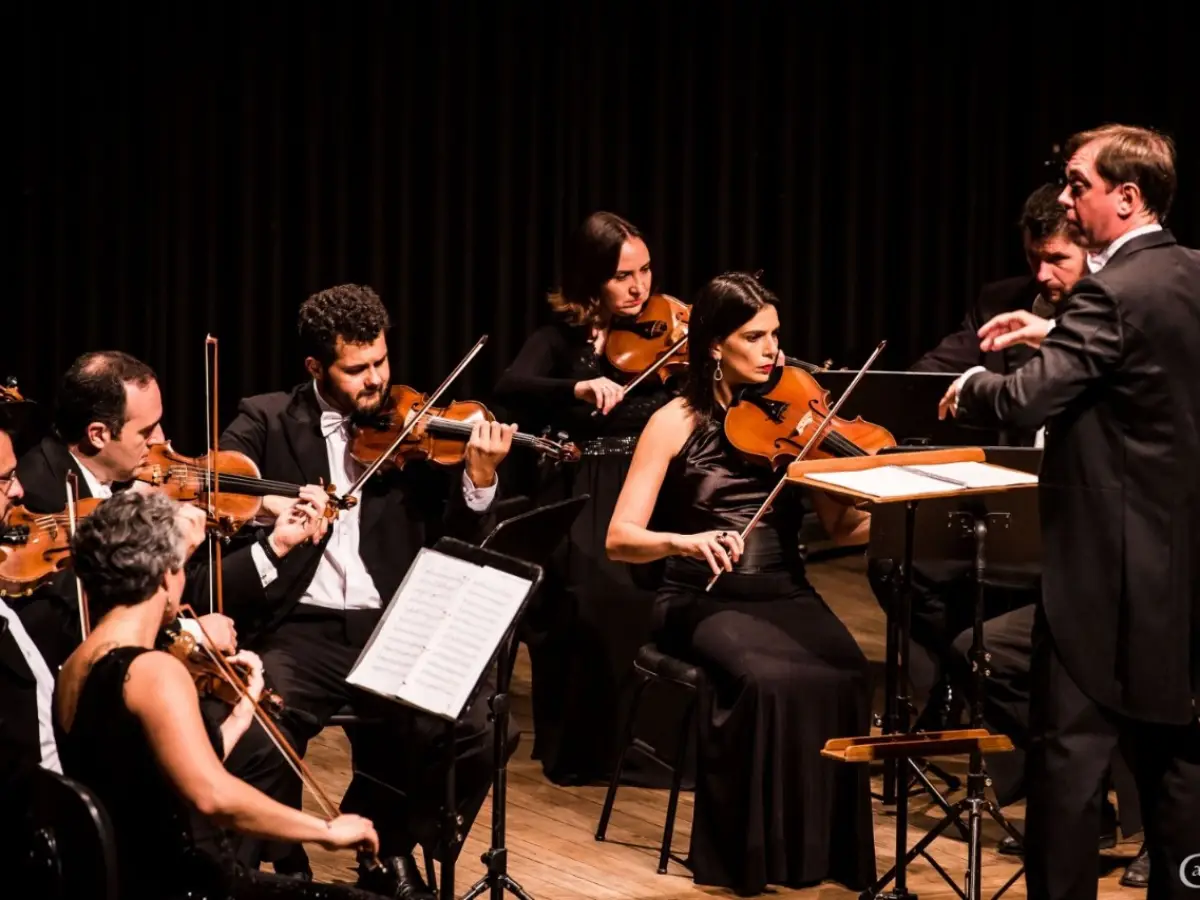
(35, 547)
(209, 677)
(440, 435)
(231, 490)
(770, 423)
(652, 342)
(9, 392)
(789, 418)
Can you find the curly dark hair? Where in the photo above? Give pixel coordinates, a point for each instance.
(352, 312)
(93, 390)
(1042, 215)
(123, 549)
(721, 307)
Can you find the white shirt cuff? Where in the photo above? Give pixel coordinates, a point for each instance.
(478, 499)
(963, 379)
(192, 627)
(1050, 328)
(266, 569)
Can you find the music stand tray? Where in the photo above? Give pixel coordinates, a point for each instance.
(909, 479)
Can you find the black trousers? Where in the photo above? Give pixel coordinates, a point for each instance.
(942, 605)
(1072, 740)
(399, 764)
(1008, 639)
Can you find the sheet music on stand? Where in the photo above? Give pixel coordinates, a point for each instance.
(440, 632)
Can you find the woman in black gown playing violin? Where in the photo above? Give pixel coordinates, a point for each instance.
(782, 673)
(129, 725)
(591, 617)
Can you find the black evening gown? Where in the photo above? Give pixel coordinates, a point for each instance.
(782, 676)
(165, 849)
(585, 627)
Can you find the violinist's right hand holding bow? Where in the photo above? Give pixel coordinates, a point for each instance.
(603, 393)
(720, 549)
(350, 832)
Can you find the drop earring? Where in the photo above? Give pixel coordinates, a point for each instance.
(717, 373)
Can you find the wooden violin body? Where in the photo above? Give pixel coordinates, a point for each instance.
(654, 341)
(36, 547)
(772, 423)
(210, 680)
(636, 343)
(239, 485)
(441, 434)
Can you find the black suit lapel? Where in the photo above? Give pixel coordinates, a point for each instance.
(302, 428)
(1142, 242)
(11, 656)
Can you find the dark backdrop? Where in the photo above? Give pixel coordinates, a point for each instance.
(191, 168)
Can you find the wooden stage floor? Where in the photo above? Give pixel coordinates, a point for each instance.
(553, 853)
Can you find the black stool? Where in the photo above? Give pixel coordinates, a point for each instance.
(652, 664)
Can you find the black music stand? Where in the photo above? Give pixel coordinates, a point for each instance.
(451, 830)
(531, 536)
(1013, 545)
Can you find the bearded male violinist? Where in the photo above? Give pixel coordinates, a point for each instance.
(319, 606)
(1117, 633)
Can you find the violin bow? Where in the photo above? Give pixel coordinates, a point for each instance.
(293, 759)
(212, 474)
(412, 423)
(72, 484)
(813, 441)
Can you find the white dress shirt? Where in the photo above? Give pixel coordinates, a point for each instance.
(1095, 262)
(45, 687)
(341, 580)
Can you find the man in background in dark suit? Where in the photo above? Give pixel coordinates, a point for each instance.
(943, 596)
(1117, 632)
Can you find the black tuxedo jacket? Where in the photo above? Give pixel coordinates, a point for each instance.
(43, 474)
(20, 742)
(960, 351)
(1118, 381)
(402, 510)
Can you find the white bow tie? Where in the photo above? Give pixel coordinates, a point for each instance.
(332, 421)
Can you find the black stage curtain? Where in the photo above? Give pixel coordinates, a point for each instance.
(190, 168)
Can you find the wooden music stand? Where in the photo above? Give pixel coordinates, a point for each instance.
(909, 478)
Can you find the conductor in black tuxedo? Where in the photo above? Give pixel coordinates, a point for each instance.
(1117, 632)
(310, 616)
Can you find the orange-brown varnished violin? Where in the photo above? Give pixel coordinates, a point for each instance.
(440, 435)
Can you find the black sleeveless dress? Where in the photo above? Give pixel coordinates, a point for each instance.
(782, 676)
(165, 849)
(591, 616)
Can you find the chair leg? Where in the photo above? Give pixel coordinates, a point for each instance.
(685, 733)
(626, 743)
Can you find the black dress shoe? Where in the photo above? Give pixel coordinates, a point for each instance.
(1137, 874)
(409, 883)
(1012, 847)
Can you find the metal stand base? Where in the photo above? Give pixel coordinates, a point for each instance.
(497, 879)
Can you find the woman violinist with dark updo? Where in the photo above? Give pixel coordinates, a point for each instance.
(591, 617)
(782, 674)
